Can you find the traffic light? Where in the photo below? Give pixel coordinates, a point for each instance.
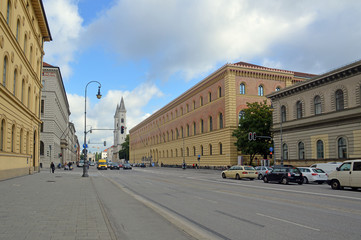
(270, 154)
(105, 143)
(122, 129)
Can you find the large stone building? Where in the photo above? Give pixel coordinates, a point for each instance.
(319, 120)
(23, 30)
(58, 142)
(200, 122)
(120, 128)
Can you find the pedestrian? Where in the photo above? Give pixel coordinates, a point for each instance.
(52, 166)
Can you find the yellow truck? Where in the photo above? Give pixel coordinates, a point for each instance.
(102, 164)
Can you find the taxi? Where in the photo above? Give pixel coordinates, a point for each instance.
(240, 171)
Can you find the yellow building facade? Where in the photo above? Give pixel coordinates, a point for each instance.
(197, 127)
(23, 31)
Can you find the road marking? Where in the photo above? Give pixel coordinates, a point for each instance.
(286, 221)
(277, 189)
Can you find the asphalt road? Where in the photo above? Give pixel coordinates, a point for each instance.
(205, 206)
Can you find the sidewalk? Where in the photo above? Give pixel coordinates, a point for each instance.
(47, 206)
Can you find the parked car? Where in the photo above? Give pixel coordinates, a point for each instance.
(80, 163)
(109, 164)
(262, 170)
(127, 166)
(239, 172)
(120, 165)
(284, 175)
(142, 165)
(347, 175)
(327, 167)
(313, 175)
(114, 166)
(91, 163)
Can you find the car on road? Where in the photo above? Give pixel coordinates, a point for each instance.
(80, 163)
(262, 170)
(240, 171)
(313, 175)
(91, 163)
(127, 166)
(284, 175)
(327, 167)
(102, 164)
(347, 175)
(114, 166)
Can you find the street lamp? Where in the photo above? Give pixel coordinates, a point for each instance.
(85, 166)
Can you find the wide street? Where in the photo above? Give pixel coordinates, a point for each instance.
(206, 206)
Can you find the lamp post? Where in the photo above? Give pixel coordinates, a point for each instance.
(85, 166)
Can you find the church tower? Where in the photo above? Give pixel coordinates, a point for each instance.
(120, 128)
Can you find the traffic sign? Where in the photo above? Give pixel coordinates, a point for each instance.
(85, 145)
(271, 149)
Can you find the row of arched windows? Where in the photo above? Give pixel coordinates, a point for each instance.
(341, 150)
(23, 139)
(242, 89)
(191, 151)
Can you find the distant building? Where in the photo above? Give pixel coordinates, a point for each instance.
(199, 123)
(120, 129)
(23, 30)
(105, 154)
(319, 120)
(58, 142)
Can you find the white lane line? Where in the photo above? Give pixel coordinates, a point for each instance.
(277, 189)
(286, 221)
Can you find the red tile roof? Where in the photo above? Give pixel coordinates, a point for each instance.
(47, 65)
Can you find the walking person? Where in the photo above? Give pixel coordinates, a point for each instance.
(52, 166)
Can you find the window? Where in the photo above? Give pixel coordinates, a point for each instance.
(339, 100)
(320, 149)
(345, 167)
(299, 109)
(194, 105)
(209, 97)
(25, 42)
(357, 166)
(13, 138)
(210, 124)
(42, 127)
(202, 126)
(15, 75)
(4, 70)
(201, 101)
(187, 151)
(301, 150)
(187, 108)
(285, 152)
(202, 150)
(122, 120)
(219, 92)
(21, 140)
(278, 89)
(17, 30)
(210, 149)
(283, 114)
(41, 148)
(240, 115)
(342, 148)
(182, 132)
(22, 91)
(194, 128)
(187, 130)
(317, 105)
(2, 135)
(242, 89)
(220, 149)
(29, 97)
(194, 151)
(220, 121)
(8, 13)
(42, 107)
(260, 90)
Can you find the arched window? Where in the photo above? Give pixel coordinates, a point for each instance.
(14, 87)
(339, 100)
(202, 126)
(194, 151)
(342, 148)
(187, 106)
(29, 92)
(219, 92)
(317, 105)
(301, 150)
(299, 109)
(201, 101)
(5, 70)
(122, 120)
(21, 140)
(260, 90)
(241, 115)
(210, 149)
(320, 149)
(8, 13)
(187, 152)
(23, 91)
(285, 152)
(242, 89)
(2, 135)
(31, 55)
(220, 149)
(17, 30)
(210, 97)
(187, 130)
(283, 114)
(172, 135)
(25, 42)
(182, 132)
(202, 150)
(41, 148)
(278, 89)
(220, 121)
(194, 105)
(210, 124)
(13, 138)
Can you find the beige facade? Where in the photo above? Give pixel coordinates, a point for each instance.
(200, 122)
(23, 30)
(321, 118)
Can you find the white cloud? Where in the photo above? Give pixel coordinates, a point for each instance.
(65, 26)
(100, 113)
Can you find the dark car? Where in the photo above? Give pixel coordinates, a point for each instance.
(142, 165)
(284, 174)
(127, 166)
(114, 166)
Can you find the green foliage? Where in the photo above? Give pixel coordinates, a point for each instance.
(124, 152)
(257, 118)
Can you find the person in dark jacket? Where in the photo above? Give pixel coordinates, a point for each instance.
(52, 166)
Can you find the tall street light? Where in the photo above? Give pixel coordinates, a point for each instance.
(85, 166)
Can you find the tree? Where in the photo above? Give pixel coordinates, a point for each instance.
(124, 152)
(257, 118)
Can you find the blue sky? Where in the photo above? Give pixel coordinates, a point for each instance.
(151, 51)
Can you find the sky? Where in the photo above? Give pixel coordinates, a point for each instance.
(151, 51)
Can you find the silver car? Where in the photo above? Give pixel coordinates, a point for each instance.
(262, 170)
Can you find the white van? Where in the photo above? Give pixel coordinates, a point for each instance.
(327, 167)
(347, 175)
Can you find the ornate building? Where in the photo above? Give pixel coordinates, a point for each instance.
(23, 30)
(197, 126)
(120, 128)
(319, 120)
